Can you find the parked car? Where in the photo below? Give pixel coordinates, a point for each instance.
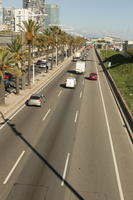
(41, 63)
(93, 76)
(50, 58)
(44, 60)
(36, 100)
(6, 84)
(7, 76)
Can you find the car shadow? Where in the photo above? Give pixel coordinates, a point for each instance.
(87, 78)
(63, 85)
(72, 71)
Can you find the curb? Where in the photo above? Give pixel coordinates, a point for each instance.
(19, 100)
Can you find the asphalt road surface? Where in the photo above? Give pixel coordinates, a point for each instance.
(79, 132)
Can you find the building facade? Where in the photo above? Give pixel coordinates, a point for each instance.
(1, 15)
(36, 6)
(52, 15)
(22, 15)
(9, 19)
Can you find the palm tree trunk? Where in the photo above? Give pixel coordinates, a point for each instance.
(23, 79)
(2, 91)
(47, 59)
(17, 85)
(29, 65)
(52, 62)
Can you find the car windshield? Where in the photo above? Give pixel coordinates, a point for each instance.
(35, 97)
(93, 74)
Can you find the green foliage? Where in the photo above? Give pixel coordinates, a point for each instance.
(122, 73)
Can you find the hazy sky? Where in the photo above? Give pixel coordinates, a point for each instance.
(108, 17)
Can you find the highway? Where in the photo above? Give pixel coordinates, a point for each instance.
(79, 132)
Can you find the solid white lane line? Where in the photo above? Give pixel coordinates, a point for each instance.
(59, 93)
(17, 111)
(12, 116)
(46, 114)
(80, 94)
(76, 116)
(111, 144)
(117, 108)
(14, 167)
(83, 82)
(65, 169)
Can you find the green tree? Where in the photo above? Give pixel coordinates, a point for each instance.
(55, 35)
(6, 65)
(30, 29)
(15, 47)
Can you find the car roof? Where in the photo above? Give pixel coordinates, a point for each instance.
(70, 77)
(36, 95)
(93, 73)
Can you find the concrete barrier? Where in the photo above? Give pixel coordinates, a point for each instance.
(125, 113)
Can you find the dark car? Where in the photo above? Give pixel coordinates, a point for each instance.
(93, 76)
(7, 84)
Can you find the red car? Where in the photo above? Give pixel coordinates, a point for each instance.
(7, 76)
(93, 76)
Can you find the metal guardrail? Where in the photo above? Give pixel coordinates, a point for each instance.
(125, 113)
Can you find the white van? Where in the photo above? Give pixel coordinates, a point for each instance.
(70, 82)
(80, 67)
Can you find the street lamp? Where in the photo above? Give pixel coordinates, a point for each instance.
(33, 69)
(56, 52)
(33, 65)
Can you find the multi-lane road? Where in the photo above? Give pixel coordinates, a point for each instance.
(81, 135)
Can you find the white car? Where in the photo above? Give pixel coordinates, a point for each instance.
(70, 82)
(36, 100)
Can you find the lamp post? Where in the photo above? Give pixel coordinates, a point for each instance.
(33, 66)
(56, 52)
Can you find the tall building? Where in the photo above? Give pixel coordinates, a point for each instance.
(37, 6)
(34, 4)
(8, 18)
(1, 15)
(22, 15)
(52, 15)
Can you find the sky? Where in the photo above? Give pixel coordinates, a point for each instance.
(93, 17)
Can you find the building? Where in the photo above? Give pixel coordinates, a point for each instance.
(8, 18)
(52, 15)
(1, 15)
(36, 6)
(23, 15)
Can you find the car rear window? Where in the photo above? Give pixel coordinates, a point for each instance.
(35, 97)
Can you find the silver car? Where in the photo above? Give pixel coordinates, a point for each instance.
(36, 100)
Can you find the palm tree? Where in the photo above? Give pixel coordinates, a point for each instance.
(15, 47)
(30, 29)
(56, 33)
(6, 65)
(49, 41)
(63, 42)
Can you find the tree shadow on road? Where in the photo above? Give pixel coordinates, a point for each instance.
(42, 158)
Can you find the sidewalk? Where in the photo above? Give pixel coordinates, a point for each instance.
(14, 102)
